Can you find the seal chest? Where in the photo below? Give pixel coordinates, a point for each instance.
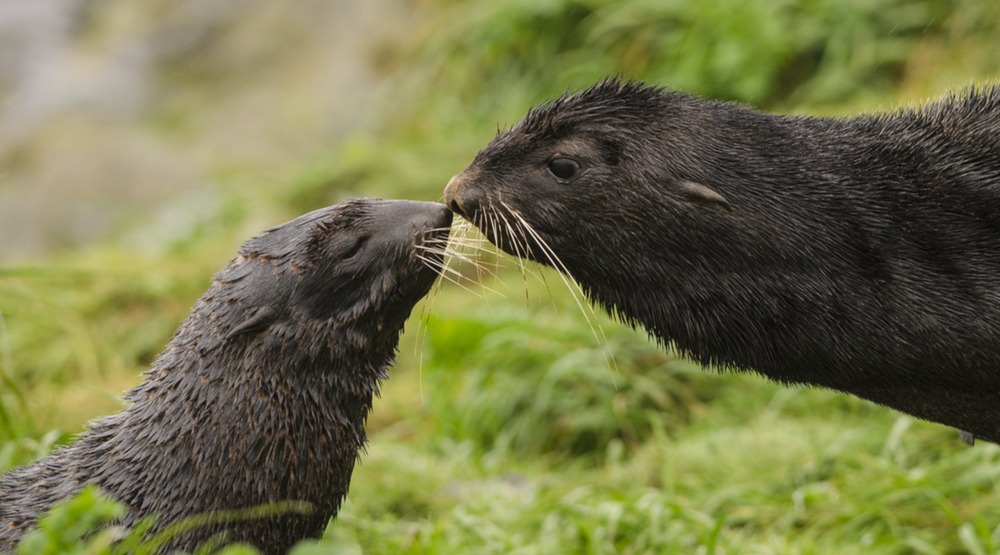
(262, 394)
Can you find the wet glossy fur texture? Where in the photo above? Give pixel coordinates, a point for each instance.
(860, 254)
(262, 394)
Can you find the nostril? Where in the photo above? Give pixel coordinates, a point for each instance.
(462, 197)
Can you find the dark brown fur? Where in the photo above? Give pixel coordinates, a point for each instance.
(859, 254)
(262, 394)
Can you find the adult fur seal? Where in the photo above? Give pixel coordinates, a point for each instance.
(262, 394)
(859, 254)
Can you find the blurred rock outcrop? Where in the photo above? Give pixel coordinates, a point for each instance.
(110, 110)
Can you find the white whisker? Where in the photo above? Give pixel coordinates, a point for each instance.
(574, 288)
(519, 256)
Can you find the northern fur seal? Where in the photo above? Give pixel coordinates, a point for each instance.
(860, 254)
(262, 394)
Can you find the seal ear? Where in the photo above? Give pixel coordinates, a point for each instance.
(701, 193)
(261, 318)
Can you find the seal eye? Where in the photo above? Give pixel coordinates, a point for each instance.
(354, 249)
(562, 167)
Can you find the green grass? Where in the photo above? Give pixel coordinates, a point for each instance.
(509, 424)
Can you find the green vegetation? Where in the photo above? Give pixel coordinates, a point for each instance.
(519, 423)
(69, 529)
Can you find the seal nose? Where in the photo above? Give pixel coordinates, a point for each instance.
(442, 217)
(427, 215)
(453, 195)
(411, 216)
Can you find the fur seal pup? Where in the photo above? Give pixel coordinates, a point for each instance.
(262, 394)
(860, 254)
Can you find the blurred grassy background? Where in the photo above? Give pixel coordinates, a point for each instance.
(140, 143)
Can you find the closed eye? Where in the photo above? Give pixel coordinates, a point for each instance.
(354, 249)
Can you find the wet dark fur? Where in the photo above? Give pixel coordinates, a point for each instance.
(859, 254)
(262, 394)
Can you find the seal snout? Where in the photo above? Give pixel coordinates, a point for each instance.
(432, 216)
(451, 191)
(458, 197)
(418, 217)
